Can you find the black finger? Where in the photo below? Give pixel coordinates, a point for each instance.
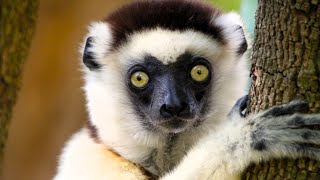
(295, 136)
(303, 120)
(296, 106)
(297, 150)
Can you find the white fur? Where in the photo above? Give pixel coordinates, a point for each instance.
(225, 153)
(80, 145)
(109, 107)
(219, 148)
(167, 45)
(229, 23)
(117, 124)
(84, 159)
(102, 38)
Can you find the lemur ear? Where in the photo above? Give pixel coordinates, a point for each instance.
(234, 32)
(96, 45)
(88, 57)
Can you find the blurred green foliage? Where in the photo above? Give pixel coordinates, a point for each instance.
(247, 11)
(227, 5)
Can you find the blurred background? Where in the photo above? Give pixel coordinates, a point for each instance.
(50, 106)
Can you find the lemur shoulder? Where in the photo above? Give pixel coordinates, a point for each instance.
(162, 83)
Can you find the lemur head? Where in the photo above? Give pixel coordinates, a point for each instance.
(154, 68)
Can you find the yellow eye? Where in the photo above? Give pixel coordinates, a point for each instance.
(199, 73)
(139, 79)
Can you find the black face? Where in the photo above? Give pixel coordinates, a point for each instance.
(170, 98)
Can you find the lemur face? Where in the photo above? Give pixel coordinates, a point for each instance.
(163, 64)
(168, 77)
(170, 98)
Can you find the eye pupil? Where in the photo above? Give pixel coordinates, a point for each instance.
(199, 72)
(139, 78)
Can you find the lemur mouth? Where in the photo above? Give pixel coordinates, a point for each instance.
(175, 125)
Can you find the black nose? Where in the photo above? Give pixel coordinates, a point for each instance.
(171, 109)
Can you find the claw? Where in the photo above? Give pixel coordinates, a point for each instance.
(296, 106)
(240, 106)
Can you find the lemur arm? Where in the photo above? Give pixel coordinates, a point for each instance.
(85, 159)
(275, 133)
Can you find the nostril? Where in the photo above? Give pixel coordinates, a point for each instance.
(166, 111)
(170, 110)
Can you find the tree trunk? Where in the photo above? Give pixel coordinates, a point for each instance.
(285, 66)
(17, 24)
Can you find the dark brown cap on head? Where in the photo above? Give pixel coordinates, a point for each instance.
(167, 14)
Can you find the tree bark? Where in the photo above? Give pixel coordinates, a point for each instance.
(17, 24)
(285, 66)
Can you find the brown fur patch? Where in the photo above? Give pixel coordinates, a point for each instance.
(125, 164)
(93, 132)
(167, 14)
(128, 165)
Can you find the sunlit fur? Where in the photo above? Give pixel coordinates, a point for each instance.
(109, 107)
(201, 152)
(106, 90)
